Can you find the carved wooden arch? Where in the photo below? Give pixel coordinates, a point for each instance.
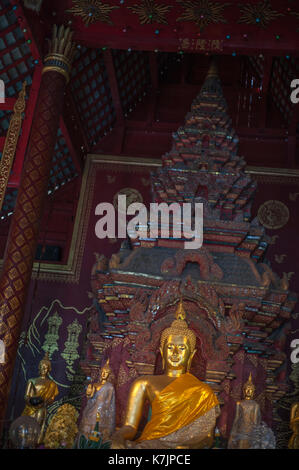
(203, 316)
(213, 313)
(208, 269)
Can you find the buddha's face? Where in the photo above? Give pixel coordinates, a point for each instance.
(43, 368)
(249, 392)
(105, 373)
(176, 352)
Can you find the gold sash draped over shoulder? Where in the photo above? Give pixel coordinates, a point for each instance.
(180, 403)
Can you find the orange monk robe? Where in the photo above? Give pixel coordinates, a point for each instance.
(180, 403)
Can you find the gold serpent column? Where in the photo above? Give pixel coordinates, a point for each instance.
(23, 236)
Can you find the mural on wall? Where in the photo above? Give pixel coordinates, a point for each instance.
(58, 326)
(53, 330)
(276, 207)
(51, 337)
(46, 333)
(70, 352)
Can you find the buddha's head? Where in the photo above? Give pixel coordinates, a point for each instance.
(105, 371)
(249, 389)
(44, 366)
(177, 344)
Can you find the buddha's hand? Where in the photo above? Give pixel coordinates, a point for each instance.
(90, 390)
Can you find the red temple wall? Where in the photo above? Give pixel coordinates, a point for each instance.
(72, 302)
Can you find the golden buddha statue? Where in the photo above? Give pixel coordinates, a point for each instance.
(294, 425)
(183, 409)
(247, 416)
(40, 393)
(100, 406)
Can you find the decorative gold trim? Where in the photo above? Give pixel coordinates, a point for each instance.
(56, 56)
(53, 68)
(268, 171)
(11, 141)
(156, 162)
(118, 159)
(91, 11)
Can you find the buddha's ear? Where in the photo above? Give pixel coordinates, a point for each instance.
(163, 360)
(190, 359)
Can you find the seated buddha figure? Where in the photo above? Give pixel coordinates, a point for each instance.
(294, 425)
(100, 406)
(40, 393)
(183, 409)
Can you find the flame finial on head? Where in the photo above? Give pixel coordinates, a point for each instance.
(249, 383)
(107, 365)
(46, 360)
(180, 313)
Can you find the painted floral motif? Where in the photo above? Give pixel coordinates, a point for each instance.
(260, 14)
(150, 12)
(92, 11)
(273, 214)
(202, 12)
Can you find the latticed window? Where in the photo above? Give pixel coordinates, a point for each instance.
(92, 94)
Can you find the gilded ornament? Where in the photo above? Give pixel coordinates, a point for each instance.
(52, 336)
(132, 195)
(273, 214)
(70, 353)
(294, 425)
(11, 141)
(92, 11)
(62, 429)
(260, 14)
(202, 12)
(150, 11)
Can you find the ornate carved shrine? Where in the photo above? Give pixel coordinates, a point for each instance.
(238, 307)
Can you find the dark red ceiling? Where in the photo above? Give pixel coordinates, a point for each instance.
(238, 26)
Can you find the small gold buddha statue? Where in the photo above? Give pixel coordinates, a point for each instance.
(100, 407)
(294, 425)
(183, 409)
(40, 393)
(247, 416)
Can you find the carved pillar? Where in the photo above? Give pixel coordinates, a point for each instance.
(23, 236)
